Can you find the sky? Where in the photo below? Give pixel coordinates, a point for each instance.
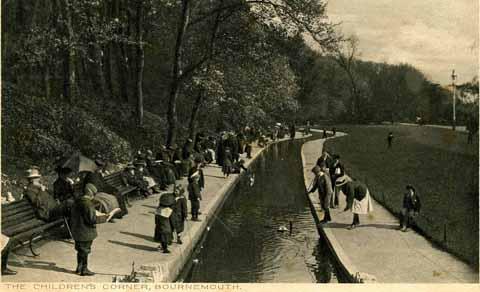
(435, 36)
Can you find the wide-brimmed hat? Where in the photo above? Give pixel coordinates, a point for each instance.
(33, 172)
(342, 180)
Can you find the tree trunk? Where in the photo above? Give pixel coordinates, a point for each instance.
(69, 61)
(176, 74)
(121, 62)
(193, 117)
(140, 62)
(46, 81)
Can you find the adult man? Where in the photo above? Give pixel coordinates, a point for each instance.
(6, 245)
(336, 170)
(83, 227)
(46, 207)
(63, 186)
(325, 160)
(323, 184)
(96, 178)
(411, 207)
(358, 198)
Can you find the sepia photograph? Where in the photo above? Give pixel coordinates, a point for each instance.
(209, 144)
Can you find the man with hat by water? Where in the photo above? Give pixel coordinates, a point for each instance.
(46, 207)
(323, 184)
(358, 198)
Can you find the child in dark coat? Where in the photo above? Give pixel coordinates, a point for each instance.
(194, 195)
(180, 212)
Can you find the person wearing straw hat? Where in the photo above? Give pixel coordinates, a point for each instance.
(323, 184)
(84, 229)
(411, 207)
(46, 207)
(194, 194)
(358, 198)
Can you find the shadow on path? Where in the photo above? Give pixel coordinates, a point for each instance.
(42, 265)
(135, 246)
(142, 236)
(382, 226)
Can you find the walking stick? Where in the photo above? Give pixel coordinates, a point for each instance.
(68, 226)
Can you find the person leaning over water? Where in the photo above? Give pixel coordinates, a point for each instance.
(83, 227)
(323, 184)
(358, 198)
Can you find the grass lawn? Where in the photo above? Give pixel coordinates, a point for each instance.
(438, 162)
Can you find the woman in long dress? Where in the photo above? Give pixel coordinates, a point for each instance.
(358, 198)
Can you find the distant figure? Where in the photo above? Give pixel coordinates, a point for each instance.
(227, 162)
(390, 139)
(411, 207)
(323, 184)
(358, 198)
(306, 131)
(292, 131)
(334, 131)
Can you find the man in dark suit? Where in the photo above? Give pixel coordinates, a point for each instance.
(323, 184)
(83, 227)
(194, 195)
(63, 186)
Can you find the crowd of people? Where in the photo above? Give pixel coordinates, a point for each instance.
(84, 198)
(330, 179)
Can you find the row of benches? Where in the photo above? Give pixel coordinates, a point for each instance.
(20, 223)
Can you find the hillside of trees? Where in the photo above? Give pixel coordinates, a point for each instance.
(113, 76)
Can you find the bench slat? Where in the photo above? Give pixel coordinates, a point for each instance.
(20, 209)
(27, 234)
(22, 227)
(13, 205)
(17, 219)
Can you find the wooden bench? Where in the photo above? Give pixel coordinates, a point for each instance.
(114, 180)
(20, 223)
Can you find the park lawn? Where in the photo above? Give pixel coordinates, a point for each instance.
(438, 162)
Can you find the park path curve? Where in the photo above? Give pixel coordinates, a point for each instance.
(377, 249)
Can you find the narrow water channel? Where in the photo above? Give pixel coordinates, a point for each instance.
(244, 244)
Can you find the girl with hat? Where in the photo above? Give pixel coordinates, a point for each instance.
(163, 223)
(358, 198)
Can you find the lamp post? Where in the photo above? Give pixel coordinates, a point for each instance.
(454, 76)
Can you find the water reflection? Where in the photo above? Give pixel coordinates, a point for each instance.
(244, 244)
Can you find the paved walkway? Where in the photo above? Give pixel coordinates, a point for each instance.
(377, 248)
(126, 241)
(457, 128)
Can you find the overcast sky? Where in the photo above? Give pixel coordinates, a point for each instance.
(433, 35)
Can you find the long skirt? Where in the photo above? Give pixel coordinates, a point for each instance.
(105, 203)
(364, 206)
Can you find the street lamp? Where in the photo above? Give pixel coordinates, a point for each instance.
(454, 76)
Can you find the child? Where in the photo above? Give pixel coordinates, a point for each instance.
(180, 212)
(194, 195)
(227, 162)
(163, 223)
